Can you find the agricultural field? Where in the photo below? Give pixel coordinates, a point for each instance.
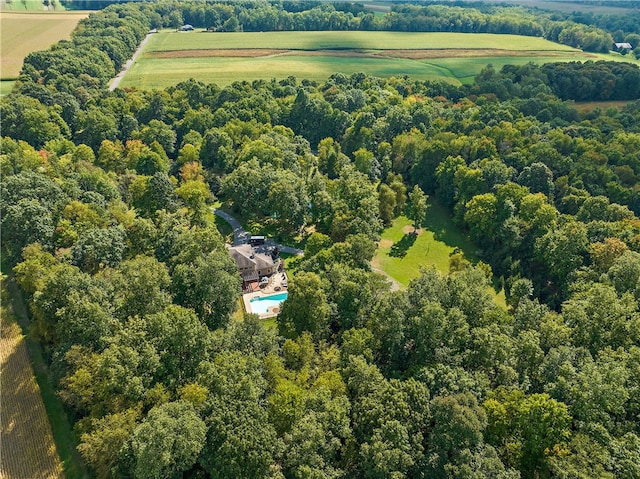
(27, 448)
(24, 32)
(170, 57)
(562, 6)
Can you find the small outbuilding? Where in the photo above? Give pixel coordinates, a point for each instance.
(622, 46)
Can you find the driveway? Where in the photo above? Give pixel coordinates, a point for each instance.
(241, 236)
(116, 81)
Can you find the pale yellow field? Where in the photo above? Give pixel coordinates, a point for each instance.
(27, 448)
(24, 32)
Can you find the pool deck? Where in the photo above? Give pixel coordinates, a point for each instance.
(276, 280)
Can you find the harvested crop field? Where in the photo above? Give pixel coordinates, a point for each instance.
(27, 446)
(26, 32)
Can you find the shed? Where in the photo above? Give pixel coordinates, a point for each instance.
(622, 46)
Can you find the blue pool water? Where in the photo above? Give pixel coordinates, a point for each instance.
(264, 305)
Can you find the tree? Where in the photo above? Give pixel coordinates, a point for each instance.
(317, 443)
(388, 454)
(210, 285)
(458, 424)
(96, 125)
(100, 447)
(195, 194)
(306, 308)
(26, 118)
(386, 204)
(188, 154)
(141, 287)
(150, 194)
(287, 198)
(159, 131)
(527, 429)
(217, 151)
(538, 177)
(561, 252)
(99, 248)
(180, 339)
(33, 271)
(168, 441)
(481, 215)
(24, 223)
(241, 442)
(417, 210)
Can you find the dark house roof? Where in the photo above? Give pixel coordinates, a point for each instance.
(248, 259)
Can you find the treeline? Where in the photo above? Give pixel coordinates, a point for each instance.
(287, 16)
(99, 47)
(106, 221)
(588, 81)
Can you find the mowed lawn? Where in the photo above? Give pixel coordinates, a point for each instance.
(401, 254)
(24, 32)
(171, 57)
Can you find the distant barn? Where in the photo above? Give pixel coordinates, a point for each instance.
(622, 46)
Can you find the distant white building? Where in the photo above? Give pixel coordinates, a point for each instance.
(622, 46)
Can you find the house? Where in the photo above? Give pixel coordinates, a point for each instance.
(253, 263)
(186, 28)
(622, 46)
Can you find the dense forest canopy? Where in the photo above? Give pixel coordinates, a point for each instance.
(105, 202)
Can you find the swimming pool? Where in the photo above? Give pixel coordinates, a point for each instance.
(264, 305)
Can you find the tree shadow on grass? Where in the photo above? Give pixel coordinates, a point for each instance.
(399, 249)
(438, 221)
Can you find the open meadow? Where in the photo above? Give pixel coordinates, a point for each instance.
(401, 254)
(27, 446)
(171, 57)
(26, 32)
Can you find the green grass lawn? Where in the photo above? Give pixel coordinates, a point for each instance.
(401, 255)
(6, 86)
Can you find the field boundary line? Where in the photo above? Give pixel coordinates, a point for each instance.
(118, 78)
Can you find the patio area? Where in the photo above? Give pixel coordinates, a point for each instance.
(264, 298)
